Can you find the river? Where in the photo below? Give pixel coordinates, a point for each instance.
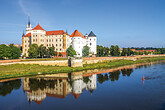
(114, 89)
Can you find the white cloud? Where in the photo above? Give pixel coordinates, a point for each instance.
(20, 2)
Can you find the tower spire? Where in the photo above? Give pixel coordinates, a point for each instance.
(23, 34)
(29, 21)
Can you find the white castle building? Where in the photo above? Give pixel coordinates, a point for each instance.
(60, 39)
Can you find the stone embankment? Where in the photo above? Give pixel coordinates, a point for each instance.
(88, 60)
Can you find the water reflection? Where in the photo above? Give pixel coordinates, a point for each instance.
(8, 86)
(40, 88)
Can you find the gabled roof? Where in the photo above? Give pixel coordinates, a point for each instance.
(76, 95)
(91, 34)
(38, 27)
(76, 33)
(59, 32)
(27, 35)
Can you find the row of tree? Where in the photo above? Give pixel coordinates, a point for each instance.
(41, 51)
(9, 52)
(105, 51)
(115, 51)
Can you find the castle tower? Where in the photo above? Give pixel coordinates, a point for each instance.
(28, 28)
(92, 43)
(78, 42)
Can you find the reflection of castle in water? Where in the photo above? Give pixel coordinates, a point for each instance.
(39, 88)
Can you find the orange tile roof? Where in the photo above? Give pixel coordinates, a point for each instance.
(38, 102)
(38, 27)
(58, 32)
(76, 95)
(63, 53)
(55, 95)
(28, 35)
(76, 33)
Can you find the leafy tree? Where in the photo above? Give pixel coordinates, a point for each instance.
(33, 51)
(85, 51)
(145, 52)
(136, 53)
(14, 51)
(60, 55)
(42, 51)
(129, 52)
(51, 51)
(114, 50)
(70, 51)
(124, 52)
(5, 51)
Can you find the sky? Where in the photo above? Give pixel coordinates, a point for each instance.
(127, 23)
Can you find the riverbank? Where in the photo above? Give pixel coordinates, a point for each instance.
(18, 70)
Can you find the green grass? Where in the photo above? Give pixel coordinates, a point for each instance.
(18, 70)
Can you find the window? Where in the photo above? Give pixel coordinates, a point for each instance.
(33, 35)
(49, 40)
(36, 35)
(56, 40)
(60, 49)
(60, 45)
(90, 43)
(56, 45)
(60, 40)
(56, 49)
(49, 45)
(33, 40)
(52, 40)
(90, 39)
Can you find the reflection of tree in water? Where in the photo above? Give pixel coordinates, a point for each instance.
(114, 75)
(7, 87)
(36, 84)
(101, 78)
(126, 72)
(86, 79)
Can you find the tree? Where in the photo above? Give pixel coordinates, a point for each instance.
(136, 53)
(85, 51)
(129, 52)
(14, 51)
(5, 51)
(114, 50)
(70, 51)
(145, 52)
(33, 51)
(51, 51)
(60, 54)
(42, 51)
(124, 52)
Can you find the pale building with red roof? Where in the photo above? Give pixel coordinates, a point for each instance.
(60, 39)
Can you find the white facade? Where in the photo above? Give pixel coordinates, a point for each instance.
(78, 42)
(78, 85)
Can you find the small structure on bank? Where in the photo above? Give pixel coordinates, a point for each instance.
(75, 61)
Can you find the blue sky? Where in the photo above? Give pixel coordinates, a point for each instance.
(127, 23)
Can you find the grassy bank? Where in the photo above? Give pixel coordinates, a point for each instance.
(17, 70)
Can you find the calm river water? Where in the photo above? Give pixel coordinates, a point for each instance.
(121, 89)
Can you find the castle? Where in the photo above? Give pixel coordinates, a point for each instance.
(60, 39)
